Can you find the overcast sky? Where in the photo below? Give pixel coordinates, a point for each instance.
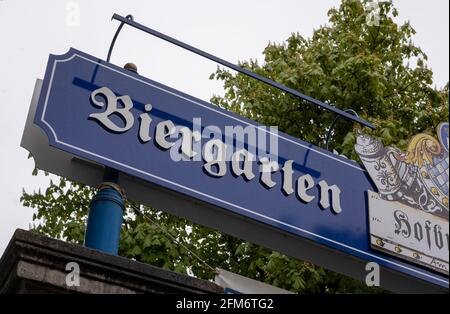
(231, 29)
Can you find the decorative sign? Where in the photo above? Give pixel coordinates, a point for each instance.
(409, 216)
(102, 113)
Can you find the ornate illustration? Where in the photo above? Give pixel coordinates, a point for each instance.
(417, 178)
(408, 217)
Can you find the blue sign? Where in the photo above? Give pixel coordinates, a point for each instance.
(101, 112)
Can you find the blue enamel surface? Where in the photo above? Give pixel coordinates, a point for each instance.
(63, 110)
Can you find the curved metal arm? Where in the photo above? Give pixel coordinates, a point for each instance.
(111, 47)
(334, 123)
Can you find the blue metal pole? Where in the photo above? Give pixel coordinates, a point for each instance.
(106, 209)
(105, 216)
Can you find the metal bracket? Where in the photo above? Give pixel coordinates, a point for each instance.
(111, 47)
(131, 22)
(327, 139)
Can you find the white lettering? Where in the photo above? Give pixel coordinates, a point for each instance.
(246, 170)
(214, 155)
(287, 177)
(185, 144)
(163, 130)
(325, 191)
(267, 168)
(112, 109)
(305, 183)
(144, 128)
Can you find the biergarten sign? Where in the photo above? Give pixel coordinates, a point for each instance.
(236, 168)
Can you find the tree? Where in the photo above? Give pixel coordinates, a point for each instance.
(375, 70)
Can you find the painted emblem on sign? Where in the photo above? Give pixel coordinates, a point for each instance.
(409, 215)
